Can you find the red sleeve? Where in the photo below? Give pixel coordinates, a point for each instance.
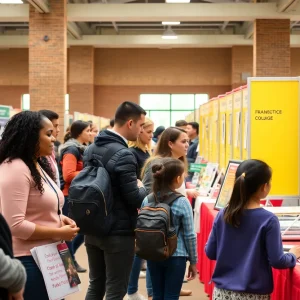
(69, 167)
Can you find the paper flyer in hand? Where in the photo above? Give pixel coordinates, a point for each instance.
(52, 267)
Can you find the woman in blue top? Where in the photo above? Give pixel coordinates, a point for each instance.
(167, 276)
(245, 239)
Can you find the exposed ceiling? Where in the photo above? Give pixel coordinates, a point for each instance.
(201, 21)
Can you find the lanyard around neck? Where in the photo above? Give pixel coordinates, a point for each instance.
(51, 185)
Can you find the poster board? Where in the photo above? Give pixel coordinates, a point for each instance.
(227, 185)
(206, 129)
(222, 132)
(215, 131)
(210, 128)
(273, 112)
(4, 117)
(245, 123)
(229, 121)
(236, 124)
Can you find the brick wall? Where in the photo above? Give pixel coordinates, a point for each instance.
(119, 77)
(48, 59)
(271, 51)
(241, 62)
(81, 79)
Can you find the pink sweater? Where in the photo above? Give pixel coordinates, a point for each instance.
(23, 206)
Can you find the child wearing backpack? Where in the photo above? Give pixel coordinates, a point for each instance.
(245, 239)
(167, 271)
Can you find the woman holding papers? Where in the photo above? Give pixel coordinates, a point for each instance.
(30, 200)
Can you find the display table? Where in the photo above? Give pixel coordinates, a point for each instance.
(286, 282)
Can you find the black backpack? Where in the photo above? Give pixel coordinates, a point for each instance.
(90, 195)
(155, 234)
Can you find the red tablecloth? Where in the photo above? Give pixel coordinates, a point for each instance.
(286, 282)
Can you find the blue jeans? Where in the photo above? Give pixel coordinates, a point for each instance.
(79, 239)
(167, 277)
(134, 278)
(35, 288)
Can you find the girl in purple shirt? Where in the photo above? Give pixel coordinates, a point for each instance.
(245, 239)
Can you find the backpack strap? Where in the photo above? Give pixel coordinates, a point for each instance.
(172, 198)
(108, 154)
(169, 200)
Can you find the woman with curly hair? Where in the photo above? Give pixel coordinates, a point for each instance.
(30, 200)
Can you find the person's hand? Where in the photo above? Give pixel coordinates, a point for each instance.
(192, 193)
(67, 221)
(68, 232)
(139, 183)
(295, 250)
(16, 296)
(192, 272)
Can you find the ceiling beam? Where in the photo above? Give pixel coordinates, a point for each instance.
(74, 30)
(14, 13)
(41, 6)
(146, 41)
(177, 12)
(287, 5)
(159, 12)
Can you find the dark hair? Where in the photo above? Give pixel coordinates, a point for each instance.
(128, 111)
(20, 139)
(195, 125)
(164, 174)
(76, 129)
(181, 123)
(112, 123)
(250, 176)
(51, 115)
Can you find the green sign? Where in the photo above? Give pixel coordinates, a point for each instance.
(197, 167)
(4, 112)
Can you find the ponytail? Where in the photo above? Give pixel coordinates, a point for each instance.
(250, 176)
(237, 202)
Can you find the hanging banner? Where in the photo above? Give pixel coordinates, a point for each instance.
(236, 130)
(273, 111)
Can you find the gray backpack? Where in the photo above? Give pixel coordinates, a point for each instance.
(155, 234)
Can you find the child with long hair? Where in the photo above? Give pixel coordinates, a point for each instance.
(245, 239)
(167, 276)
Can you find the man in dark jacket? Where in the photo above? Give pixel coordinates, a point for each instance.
(192, 130)
(110, 257)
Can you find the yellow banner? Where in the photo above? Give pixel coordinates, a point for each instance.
(229, 121)
(215, 131)
(274, 130)
(236, 125)
(222, 132)
(201, 131)
(245, 124)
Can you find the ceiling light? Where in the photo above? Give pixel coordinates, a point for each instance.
(170, 23)
(178, 1)
(11, 2)
(169, 34)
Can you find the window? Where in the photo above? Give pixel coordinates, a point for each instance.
(166, 109)
(25, 105)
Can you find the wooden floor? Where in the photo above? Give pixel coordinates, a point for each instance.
(81, 257)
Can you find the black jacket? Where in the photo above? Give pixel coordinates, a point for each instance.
(6, 246)
(140, 157)
(122, 168)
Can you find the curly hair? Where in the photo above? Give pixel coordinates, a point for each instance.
(20, 139)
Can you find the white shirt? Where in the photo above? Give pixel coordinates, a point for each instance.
(125, 140)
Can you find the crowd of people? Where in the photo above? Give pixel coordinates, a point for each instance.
(35, 179)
